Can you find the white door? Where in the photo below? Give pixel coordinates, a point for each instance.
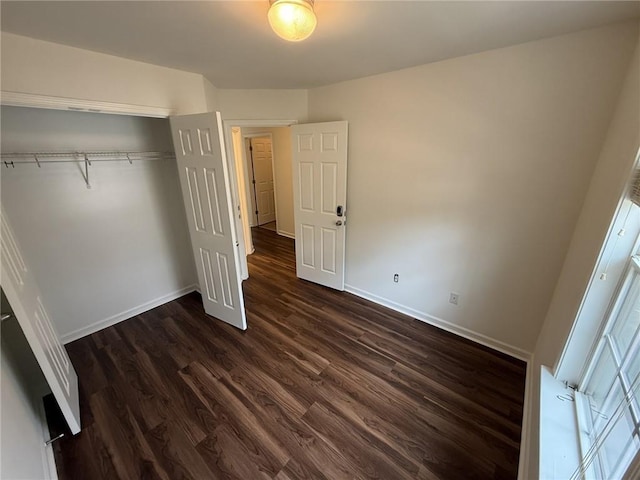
(262, 162)
(26, 302)
(204, 178)
(319, 200)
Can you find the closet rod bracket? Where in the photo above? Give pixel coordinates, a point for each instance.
(87, 164)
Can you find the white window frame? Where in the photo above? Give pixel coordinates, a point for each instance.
(586, 414)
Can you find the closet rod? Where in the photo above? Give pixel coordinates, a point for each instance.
(35, 157)
(87, 157)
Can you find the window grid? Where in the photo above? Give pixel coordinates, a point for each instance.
(622, 364)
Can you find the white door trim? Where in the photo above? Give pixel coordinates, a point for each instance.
(231, 159)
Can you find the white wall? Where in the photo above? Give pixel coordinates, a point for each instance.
(607, 185)
(211, 95)
(98, 254)
(283, 166)
(44, 68)
(262, 104)
(283, 170)
(21, 388)
(468, 175)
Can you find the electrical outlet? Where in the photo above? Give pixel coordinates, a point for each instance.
(454, 297)
(396, 278)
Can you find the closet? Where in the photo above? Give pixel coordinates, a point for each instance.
(95, 206)
(99, 252)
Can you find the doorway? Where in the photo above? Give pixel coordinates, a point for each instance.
(317, 193)
(240, 134)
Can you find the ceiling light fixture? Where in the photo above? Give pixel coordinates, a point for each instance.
(293, 20)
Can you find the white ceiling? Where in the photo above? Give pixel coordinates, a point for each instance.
(230, 42)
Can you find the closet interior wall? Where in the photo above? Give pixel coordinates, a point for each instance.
(103, 254)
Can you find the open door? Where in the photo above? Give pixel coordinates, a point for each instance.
(319, 201)
(206, 190)
(24, 296)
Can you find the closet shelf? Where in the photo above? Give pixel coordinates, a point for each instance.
(41, 158)
(52, 157)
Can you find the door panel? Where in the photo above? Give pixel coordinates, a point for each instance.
(328, 182)
(263, 175)
(24, 296)
(307, 247)
(320, 186)
(328, 248)
(306, 186)
(206, 191)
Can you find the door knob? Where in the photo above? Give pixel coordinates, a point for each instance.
(338, 223)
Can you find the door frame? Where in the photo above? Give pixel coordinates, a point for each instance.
(232, 161)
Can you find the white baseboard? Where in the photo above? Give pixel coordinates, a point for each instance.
(286, 234)
(443, 324)
(119, 317)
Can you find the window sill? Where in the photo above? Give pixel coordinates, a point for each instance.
(559, 434)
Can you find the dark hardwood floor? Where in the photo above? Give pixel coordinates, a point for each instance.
(322, 385)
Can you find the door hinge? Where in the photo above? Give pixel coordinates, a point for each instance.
(256, 212)
(250, 148)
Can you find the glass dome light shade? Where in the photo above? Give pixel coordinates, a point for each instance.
(292, 20)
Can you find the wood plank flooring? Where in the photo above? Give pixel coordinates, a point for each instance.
(322, 385)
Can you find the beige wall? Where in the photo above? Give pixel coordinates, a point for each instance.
(606, 187)
(283, 175)
(263, 104)
(44, 68)
(468, 176)
(211, 95)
